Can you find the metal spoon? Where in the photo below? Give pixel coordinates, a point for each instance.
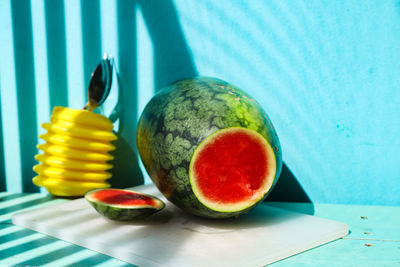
(100, 83)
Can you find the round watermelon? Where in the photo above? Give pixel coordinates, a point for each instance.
(209, 147)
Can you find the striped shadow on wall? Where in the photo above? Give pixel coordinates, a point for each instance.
(49, 49)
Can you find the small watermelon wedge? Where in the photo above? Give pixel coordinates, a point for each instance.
(123, 205)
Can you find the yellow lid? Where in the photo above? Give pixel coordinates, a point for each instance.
(83, 117)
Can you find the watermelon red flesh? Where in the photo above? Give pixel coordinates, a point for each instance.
(123, 198)
(231, 168)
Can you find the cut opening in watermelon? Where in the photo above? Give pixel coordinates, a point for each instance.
(232, 169)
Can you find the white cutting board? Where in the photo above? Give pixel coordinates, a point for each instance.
(172, 238)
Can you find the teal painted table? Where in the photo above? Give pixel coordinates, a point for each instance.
(374, 239)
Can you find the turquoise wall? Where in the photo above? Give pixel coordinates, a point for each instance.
(326, 72)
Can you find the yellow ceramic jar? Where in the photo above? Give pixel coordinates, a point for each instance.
(75, 154)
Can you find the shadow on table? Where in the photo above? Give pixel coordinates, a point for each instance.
(288, 189)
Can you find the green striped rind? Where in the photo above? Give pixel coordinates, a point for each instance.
(122, 214)
(126, 213)
(175, 122)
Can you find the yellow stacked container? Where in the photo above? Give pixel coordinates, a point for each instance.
(75, 152)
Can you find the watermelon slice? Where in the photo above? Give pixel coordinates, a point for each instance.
(123, 205)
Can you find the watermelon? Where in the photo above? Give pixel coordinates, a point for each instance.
(123, 205)
(209, 147)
